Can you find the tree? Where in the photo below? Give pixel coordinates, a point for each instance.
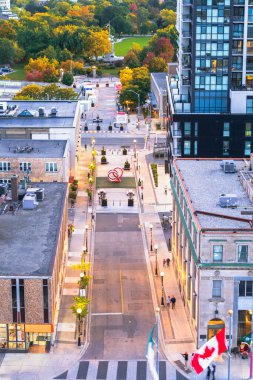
(131, 59)
(168, 17)
(157, 65)
(67, 79)
(126, 76)
(47, 68)
(170, 32)
(49, 52)
(99, 43)
(10, 52)
(121, 25)
(80, 303)
(31, 92)
(65, 55)
(7, 30)
(72, 66)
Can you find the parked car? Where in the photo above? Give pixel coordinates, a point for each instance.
(6, 69)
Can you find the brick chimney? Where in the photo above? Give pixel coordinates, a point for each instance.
(14, 188)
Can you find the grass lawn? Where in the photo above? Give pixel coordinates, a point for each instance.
(126, 183)
(122, 48)
(19, 73)
(107, 72)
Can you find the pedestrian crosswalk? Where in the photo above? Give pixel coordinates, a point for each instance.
(119, 370)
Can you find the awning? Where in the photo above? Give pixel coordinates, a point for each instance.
(45, 328)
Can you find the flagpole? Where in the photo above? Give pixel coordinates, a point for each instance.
(157, 340)
(230, 313)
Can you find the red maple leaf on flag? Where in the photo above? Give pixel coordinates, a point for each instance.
(206, 354)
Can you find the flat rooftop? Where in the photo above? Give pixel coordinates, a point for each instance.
(29, 238)
(65, 108)
(204, 181)
(40, 148)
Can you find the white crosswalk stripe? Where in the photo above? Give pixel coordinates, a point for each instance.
(115, 370)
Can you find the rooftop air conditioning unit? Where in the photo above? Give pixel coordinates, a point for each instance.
(228, 200)
(42, 111)
(228, 166)
(54, 111)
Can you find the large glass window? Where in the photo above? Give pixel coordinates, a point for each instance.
(45, 301)
(249, 65)
(217, 252)
(5, 166)
(24, 166)
(14, 300)
(216, 291)
(3, 336)
(187, 147)
(225, 148)
(242, 253)
(187, 129)
(246, 289)
(249, 104)
(51, 167)
(248, 130)
(247, 148)
(226, 130)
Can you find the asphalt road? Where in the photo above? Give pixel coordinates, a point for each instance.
(122, 309)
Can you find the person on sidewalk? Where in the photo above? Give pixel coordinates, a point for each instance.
(168, 262)
(173, 302)
(85, 146)
(168, 301)
(164, 263)
(213, 371)
(186, 358)
(165, 190)
(208, 374)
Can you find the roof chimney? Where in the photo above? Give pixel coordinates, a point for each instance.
(14, 188)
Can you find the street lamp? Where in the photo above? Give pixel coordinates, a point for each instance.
(79, 312)
(151, 237)
(134, 141)
(162, 298)
(230, 313)
(156, 266)
(86, 235)
(138, 95)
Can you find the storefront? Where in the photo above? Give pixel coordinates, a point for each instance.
(22, 337)
(244, 325)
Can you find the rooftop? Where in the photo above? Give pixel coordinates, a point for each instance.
(204, 181)
(29, 238)
(160, 79)
(32, 148)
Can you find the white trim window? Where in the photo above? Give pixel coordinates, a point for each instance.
(5, 166)
(51, 167)
(24, 166)
(242, 253)
(216, 291)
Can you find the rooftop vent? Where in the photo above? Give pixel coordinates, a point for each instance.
(228, 166)
(53, 111)
(23, 149)
(42, 111)
(3, 107)
(228, 200)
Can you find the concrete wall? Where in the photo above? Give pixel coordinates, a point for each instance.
(238, 100)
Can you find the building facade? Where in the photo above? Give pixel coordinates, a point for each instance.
(215, 67)
(33, 257)
(212, 246)
(36, 160)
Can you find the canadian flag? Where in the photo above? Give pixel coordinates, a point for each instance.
(210, 350)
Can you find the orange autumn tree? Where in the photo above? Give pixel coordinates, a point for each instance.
(47, 70)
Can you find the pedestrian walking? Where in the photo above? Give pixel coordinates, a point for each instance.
(164, 262)
(186, 358)
(142, 196)
(72, 203)
(165, 190)
(213, 371)
(173, 302)
(85, 146)
(168, 262)
(208, 374)
(168, 301)
(88, 175)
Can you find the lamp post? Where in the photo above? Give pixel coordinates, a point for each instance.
(86, 235)
(162, 298)
(79, 312)
(80, 283)
(139, 106)
(156, 266)
(151, 237)
(134, 141)
(230, 313)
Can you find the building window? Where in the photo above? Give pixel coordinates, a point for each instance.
(216, 292)
(242, 253)
(217, 252)
(187, 147)
(196, 127)
(51, 167)
(14, 300)
(22, 300)
(247, 148)
(45, 301)
(248, 132)
(246, 289)
(187, 129)
(249, 104)
(225, 148)
(5, 166)
(195, 148)
(24, 166)
(3, 336)
(226, 130)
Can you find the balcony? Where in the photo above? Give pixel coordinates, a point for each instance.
(187, 2)
(239, 2)
(187, 18)
(238, 51)
(186, 66)
(236, 66)
(237, 34)
(238, 18)
(186, 34)
(186, 82)
(176, 132)
(186, 50)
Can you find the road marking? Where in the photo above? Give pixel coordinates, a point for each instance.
(121, 292)
(106, 313)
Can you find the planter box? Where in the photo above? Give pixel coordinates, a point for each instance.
(124, 152)
(126, 168)
(130, 202)
(98, 127)
(104, 203)
(104, 162)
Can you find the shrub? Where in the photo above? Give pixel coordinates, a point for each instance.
(72, 195)
(103, 160)
(103, 151)
(124, 152)
(73, 187)
(155, 174)
(67, 79)
(126, 165)
(75, 182)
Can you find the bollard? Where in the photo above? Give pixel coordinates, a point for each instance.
(113, 203)
(120, 203)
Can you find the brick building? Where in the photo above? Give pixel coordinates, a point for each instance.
(33, 255)
(212, 244)
(40, 160)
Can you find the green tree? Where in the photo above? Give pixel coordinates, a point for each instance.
(49, 52)
(80, 303)
(31, 92)
(157, 65)
(131, 59)
(67, 79)
(10, 52)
